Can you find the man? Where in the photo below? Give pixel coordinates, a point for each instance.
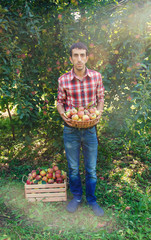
(80, 87)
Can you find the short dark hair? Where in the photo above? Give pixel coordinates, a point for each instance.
(78, 45)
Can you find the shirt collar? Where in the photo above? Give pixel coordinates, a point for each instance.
(88, 73)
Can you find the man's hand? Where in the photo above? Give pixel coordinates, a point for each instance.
(99, 116)
(66, 119)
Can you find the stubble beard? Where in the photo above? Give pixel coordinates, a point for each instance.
(80, 69)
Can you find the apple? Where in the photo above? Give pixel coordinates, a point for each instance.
(57, 175)
(63, 174)
(80, 114)
(45, 179)
(80, 109)
(92, 110)
(92, 116)
(42, 173)
(50, 170)
(86, 118)
(68, 114)
(73, 111)
(34, 174)
(50, 180)
(17, 71)
(59, 180)
(60, 17)
(75, 117)
(91, 56)
(55, 168)
(28, 182)
(86, 112)
(97, 112)
(54, 175)
(91, 45)
(38, 177)
(49, 175)
(49, 69)
(46, 101)
(29, 176)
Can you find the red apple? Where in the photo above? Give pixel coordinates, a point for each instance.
(49, 69)
(50, 180)
(38, 177)
(28, 182)
(73, 111)
(86, 118)
(80, 114)
(68, 114)
(17, 71)
(92, 110)
(60, 17)
(57, 175)
(55, 168)
(49, 175)
(33, 175)
(59, 180)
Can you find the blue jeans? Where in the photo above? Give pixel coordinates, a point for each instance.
(74, 139)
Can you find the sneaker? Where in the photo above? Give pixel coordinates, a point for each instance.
(73, 205)
(98, 211)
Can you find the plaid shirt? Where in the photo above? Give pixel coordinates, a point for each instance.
(73, 92)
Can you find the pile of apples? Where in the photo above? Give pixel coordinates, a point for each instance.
(46, 176)
(82, 114)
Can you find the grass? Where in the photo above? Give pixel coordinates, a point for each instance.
(123, 190)
(45, 217)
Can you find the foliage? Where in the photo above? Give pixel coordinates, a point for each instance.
(35, 39)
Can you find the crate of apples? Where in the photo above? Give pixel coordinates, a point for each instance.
(83, 117)
(46, 185)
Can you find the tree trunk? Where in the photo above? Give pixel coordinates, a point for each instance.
(12, 126)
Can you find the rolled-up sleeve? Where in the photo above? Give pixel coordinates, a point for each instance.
(61, 97)
(100, 89)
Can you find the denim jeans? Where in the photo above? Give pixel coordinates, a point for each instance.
(74, 139)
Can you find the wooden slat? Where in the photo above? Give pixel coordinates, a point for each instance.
(56, 185)
(45, 195)
(45, 190)
(56, 199)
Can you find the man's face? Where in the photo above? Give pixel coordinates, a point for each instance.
(79, 59)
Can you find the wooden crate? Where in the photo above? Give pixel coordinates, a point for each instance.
(46, 192)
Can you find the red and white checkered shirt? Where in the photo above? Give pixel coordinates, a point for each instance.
(73, 92)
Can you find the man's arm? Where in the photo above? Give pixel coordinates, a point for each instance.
(61, 111)
(100, 106)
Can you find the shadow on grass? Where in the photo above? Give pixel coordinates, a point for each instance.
(50, 217)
